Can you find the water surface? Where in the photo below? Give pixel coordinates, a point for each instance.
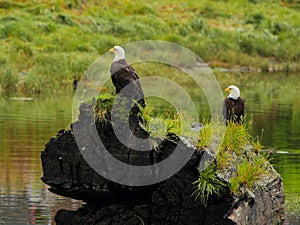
(26, 125)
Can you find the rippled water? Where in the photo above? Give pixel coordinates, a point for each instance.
(26, 125)
(25, 128)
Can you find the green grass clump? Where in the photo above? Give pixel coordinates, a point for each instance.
(208, 185)
(239, 159)
(236, 137)
(210, 134)
(204, 136)
(248, 172)
(161, 123)
(242, 151)
(103, 106)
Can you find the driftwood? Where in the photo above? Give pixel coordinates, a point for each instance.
(169, 202)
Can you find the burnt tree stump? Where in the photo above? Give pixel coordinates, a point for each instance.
(169, 202)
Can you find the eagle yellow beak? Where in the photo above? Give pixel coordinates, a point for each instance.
(227, 90)
(111, 50)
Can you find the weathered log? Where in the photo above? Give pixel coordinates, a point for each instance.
(169, 202)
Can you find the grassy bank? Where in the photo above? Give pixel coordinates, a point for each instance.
(44, 44)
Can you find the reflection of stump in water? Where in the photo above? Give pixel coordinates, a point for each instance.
(167, 203)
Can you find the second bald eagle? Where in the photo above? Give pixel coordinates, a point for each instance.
(123, 74)
(233, 106)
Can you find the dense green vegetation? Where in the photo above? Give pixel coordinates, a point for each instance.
(45, 44)
(208, 184)
(238, 154)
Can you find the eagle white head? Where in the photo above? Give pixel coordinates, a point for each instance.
(119, 53)
(234, 92)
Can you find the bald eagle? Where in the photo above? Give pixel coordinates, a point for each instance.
(233, 105)
(123, 74)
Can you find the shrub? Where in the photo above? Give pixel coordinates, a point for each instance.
(248, 172)
(208, 185)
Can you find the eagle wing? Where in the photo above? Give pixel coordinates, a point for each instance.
(125, 76)
(233, 110)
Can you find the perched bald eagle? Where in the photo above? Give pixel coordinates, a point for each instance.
(233, 106)
(123, 74)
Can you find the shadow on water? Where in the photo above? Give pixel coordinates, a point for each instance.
(272, 100)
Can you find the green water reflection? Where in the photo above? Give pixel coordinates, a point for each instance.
(272, 101)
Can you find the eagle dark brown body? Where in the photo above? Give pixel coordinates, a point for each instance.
(233, 110)
(123, 74)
